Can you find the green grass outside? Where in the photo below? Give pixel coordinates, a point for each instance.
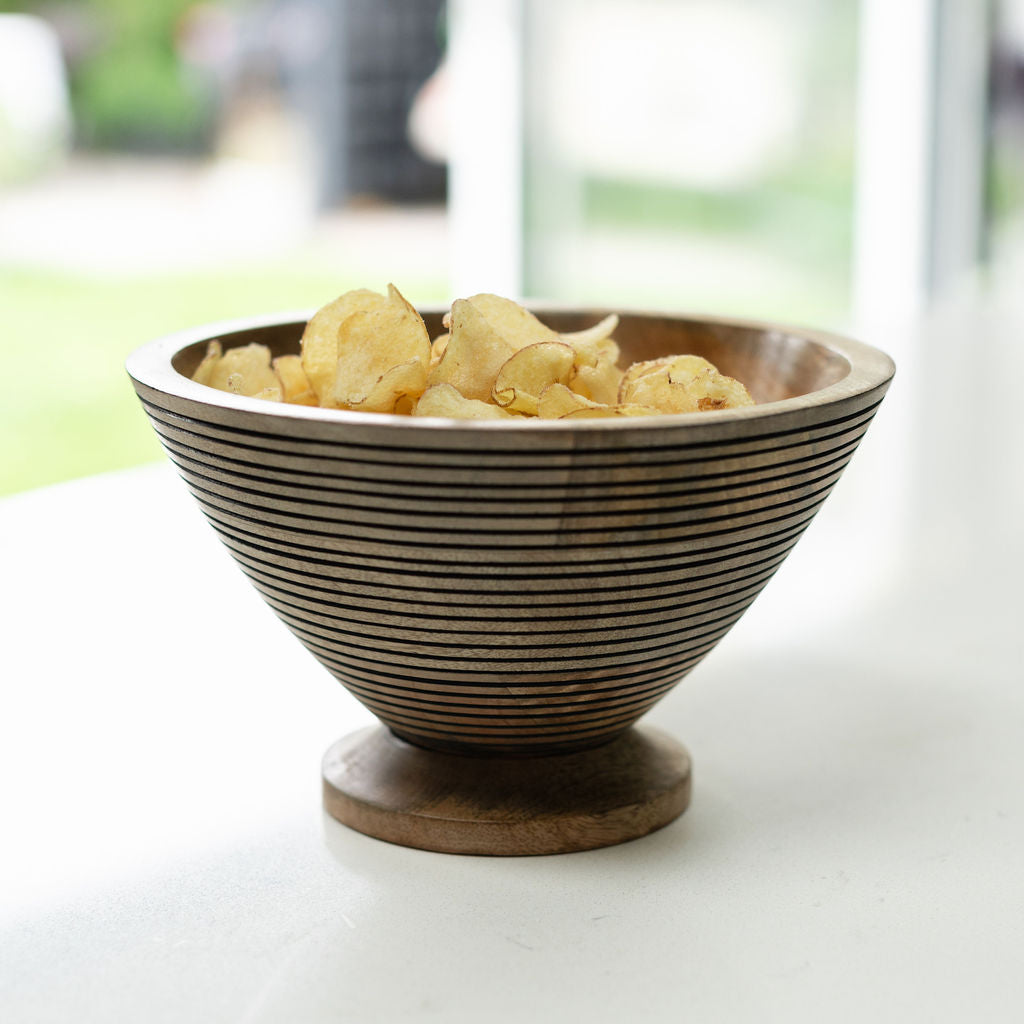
(69, 409)
(806, 219)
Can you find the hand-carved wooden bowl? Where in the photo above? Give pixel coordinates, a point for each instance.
(509, 598)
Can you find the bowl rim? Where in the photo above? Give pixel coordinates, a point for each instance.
(869, 368)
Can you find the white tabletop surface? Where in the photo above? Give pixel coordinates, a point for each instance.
(854, 850)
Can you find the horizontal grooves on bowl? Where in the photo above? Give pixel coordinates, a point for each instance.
(651, 600)
(528, 514)
(388, 572)
(538, 593)
(533, 495)
(472, 645)
(489, 466)
(660, 525)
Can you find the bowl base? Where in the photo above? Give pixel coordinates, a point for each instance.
(382, 786)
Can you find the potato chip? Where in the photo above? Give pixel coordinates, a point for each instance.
(714, 390)
(214, 350)
(518, 326)
(591, 337)
(590, 351)
(371, 353)
(400, 302)
(525, 375)
(657, 390)
(437, 347)
(683, 384)
(407, 380)
(474, 354)
(382, 354)
(607, 412)
(682, 369)
(445, 400)
(596, 374)
(598, 380)
(556, 400)
(637, 370)
(295, 386)
(320, 338)
(244, 370)
(404, 405)
(720, 392)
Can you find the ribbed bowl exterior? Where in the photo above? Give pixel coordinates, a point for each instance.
(507, 591)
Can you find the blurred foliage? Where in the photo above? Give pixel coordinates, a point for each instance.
(129, 89)
(817, 196)
(1005, 186)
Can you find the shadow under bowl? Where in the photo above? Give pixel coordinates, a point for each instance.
(516, 591)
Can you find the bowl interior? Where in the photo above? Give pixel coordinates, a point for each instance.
(773, 363)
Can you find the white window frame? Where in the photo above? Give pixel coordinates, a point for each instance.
(919, 207)
(919, 204)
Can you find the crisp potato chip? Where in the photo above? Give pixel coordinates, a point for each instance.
(474, 354)
(437, 347)
(518, 326)
(686, 365)
(720, 392)
(244, 370)
(382, 354)
(556, 400)
(371, 352)
(591, 337)
(607, 411)
(525, 375)
(407, 380)
(295, 386)
(713, 390)
(684, 384)
(599, 381)
(590, 351)
(320, 338)
(214, 350)
(596, 342)
(657, 390)
(400, 302)
(596, 374)
(641, 369)
(632, 409)
(404, 405)
(445, 400)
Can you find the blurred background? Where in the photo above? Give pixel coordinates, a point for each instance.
(851, 164)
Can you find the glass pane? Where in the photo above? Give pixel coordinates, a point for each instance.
(691, 154)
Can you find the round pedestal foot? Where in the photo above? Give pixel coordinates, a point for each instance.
(506, 806)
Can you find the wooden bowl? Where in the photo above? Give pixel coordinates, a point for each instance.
(510, 597)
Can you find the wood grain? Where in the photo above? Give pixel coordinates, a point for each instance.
(521, 587)
(378, 784)
(511, 597)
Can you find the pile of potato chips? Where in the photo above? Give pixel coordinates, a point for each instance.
(372, 353)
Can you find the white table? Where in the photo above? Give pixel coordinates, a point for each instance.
(854, 851)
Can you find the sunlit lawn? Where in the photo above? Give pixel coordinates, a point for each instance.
(69, 409)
